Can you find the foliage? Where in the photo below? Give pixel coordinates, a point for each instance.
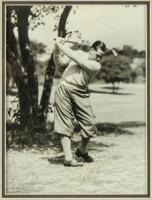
(14, 111)
(38, 13)
(115, 69)
(37, 48)
(138, 71)
(129, 51)
(141, 69)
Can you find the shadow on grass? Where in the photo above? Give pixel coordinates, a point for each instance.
(104, 129)
(107, 128)
(18, 139)
(118, 129)
(94, 146)
(57, 160)
(109, 92)
(110, 87)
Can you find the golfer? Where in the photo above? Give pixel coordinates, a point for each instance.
(72, 97)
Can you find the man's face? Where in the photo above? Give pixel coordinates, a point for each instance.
(96, 54)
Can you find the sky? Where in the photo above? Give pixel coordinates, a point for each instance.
(116, 25)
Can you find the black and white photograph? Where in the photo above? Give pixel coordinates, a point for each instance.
(76, 99)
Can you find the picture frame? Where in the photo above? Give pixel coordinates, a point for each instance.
(75, 195)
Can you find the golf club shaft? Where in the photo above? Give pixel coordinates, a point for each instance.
(73, 42)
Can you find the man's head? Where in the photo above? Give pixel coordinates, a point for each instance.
(97, 50)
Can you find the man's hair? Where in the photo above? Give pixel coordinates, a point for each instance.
(100, 44)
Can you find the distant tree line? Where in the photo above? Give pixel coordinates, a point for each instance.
(127, 50)
(118, 69)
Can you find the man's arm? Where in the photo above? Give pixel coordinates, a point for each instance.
(88, 65)
(59, 58)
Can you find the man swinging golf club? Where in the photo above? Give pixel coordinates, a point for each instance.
(72, 97)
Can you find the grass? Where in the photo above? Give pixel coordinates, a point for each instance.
(119, 151)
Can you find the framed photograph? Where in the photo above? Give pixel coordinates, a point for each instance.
(76, 99)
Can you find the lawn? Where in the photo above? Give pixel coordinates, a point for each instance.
(119, 151)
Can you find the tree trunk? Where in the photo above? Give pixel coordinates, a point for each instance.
(47, 90)
(13, 59)
(10, 37)
(51, 67)
(62, 22)
(113, 87)
(118, 87)
(30, 102)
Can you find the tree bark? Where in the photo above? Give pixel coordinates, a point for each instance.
(13, 59)
(31, 81)
(51, 67)
(62, 22)
(10, 37)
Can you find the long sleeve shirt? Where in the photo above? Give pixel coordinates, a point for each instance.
(80, 70)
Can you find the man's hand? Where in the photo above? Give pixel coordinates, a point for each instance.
(114, 52)
(59, 40)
